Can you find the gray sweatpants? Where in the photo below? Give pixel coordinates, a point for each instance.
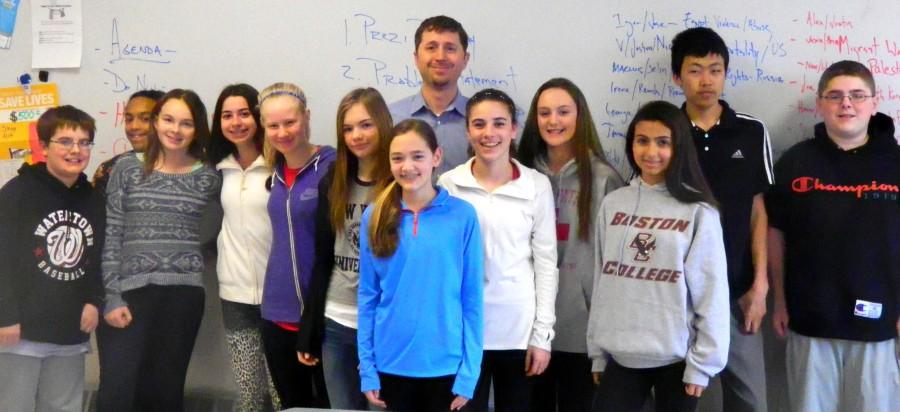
(744, 377)
(31, 384)
(835, 375)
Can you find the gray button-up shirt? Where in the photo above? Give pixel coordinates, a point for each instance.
(449, 126)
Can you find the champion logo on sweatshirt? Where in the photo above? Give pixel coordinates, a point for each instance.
(66, 235)
(805, 184)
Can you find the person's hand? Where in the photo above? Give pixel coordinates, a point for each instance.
(693, 390)
(118, 317)
(374, 397)
(753, 306)
(9, 335)
(307, 359)
(596, 376)
(536, 361)
(458, 402)
(780, 320)
(89, 318)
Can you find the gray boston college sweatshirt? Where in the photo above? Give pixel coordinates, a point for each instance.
(660, 284)
(575, 256)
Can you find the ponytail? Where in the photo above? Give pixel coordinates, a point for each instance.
(385, 223)
(383, 237)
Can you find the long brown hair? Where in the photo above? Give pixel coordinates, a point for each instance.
(346, 165)
(585, 141)
(383, 237)
(684, 178)
(197, 148)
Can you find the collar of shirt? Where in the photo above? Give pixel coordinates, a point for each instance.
(417, 105)
(726, 120)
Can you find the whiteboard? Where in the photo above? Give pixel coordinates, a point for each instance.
(616, 51)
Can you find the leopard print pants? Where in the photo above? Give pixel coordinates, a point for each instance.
(248, 362)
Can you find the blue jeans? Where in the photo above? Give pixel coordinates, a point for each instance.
(341, 363)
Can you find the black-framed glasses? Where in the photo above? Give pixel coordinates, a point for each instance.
(68, 144)
(837, 98)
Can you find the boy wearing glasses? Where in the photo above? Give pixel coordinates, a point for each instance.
(834, 252)
(51, 235)
(734, 152)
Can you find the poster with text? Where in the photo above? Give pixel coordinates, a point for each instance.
(19, 111)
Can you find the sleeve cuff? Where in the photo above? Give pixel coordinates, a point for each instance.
(464, 387)
(541, 340)
(369, 383)
(97, 301)
(598, 364)
(695, 376)
(113, 302)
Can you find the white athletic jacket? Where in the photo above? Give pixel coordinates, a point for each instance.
(518, 227)
(246, 235)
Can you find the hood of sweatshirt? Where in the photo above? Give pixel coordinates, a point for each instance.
(881, 135)
(39, 174)
(321, 159)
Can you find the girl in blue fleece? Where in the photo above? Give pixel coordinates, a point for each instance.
(420, 286)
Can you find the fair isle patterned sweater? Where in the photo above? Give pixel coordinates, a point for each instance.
(153, 228)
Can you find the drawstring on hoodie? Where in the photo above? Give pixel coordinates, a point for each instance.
(637, 204)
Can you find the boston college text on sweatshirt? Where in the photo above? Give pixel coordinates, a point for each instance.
(661, 284)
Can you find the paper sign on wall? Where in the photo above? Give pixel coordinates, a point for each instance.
(19, 111)
(56, 33)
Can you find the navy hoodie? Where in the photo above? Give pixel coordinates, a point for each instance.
(840, 214)
(51, 237)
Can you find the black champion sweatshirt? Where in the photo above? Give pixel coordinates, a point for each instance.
(840, 214)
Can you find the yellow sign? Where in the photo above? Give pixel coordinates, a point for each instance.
(19, 111)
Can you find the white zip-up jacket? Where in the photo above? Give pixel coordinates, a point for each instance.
(246, 236)
(518, 226)
(660, 284)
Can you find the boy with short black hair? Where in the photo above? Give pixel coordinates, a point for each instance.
(441, 55)
(735, 155)
(834, 252)
(51, 236)
(138, 113)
